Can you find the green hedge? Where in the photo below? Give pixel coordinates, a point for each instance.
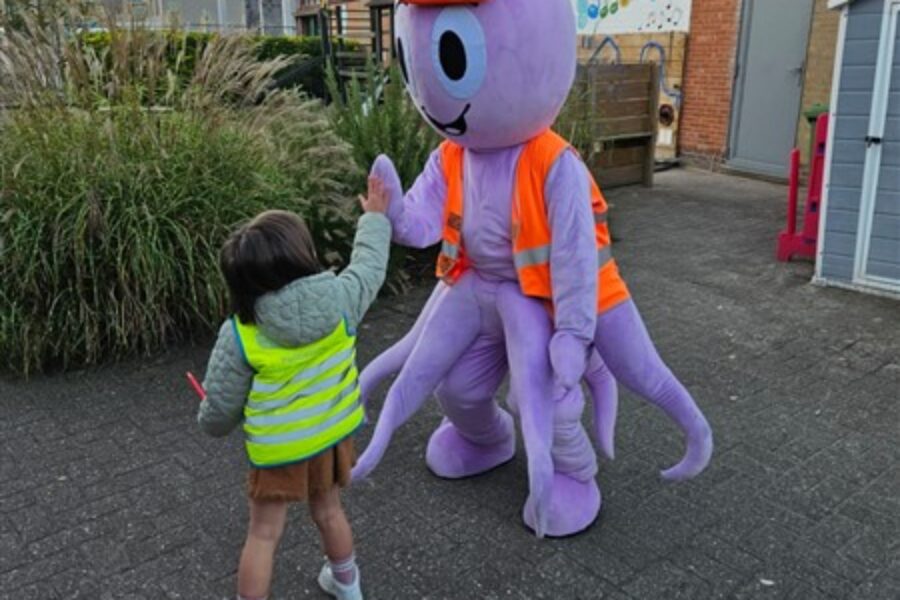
(270, 47)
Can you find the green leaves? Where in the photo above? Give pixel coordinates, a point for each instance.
(375, 116)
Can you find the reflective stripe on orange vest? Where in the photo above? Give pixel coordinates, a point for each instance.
(450, 250)
(531, 234)
(541, 255)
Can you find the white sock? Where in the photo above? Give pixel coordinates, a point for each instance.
(344, 571)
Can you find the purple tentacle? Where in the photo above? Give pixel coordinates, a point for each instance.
(528, 332)
(537, 432)
(605, 400)
(391, 361)
(625, 346)
(455, 324)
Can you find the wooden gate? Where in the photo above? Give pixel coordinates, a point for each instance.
(355, 33)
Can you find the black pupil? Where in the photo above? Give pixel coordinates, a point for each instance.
(401, 55)
(453, 56)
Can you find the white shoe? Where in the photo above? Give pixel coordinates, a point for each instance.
(333, 587)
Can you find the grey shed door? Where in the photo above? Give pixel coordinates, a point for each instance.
(774, 35)
(882, 248)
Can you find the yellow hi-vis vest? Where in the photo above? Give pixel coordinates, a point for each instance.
(303, 400)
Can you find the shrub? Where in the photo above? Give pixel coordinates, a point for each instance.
(379, 118)
(577, 119)
(271, 47)
(118, 186)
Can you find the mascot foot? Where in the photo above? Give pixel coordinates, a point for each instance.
(574, 506)
(451, 456)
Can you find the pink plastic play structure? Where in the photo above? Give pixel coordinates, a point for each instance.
(792, 243)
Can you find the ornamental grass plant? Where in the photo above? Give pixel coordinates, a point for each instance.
(120, 177)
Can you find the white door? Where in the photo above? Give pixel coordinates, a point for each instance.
(878, 243)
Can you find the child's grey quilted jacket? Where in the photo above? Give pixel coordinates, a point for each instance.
(301, 313)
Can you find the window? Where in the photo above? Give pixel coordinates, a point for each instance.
(308, 25)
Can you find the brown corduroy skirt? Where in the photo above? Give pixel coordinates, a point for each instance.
(304, 480)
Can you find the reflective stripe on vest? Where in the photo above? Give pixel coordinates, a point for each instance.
(449, 250)
(530, 224)
(541, 256)
(311, 373)
(307, 392)
(302, 400)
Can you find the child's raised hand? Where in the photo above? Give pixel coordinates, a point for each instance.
(377, 199)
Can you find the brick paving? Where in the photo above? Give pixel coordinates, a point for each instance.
(107, 489)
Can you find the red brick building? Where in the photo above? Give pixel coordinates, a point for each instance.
(727, 40)
(709, 78)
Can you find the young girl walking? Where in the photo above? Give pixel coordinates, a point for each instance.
(285, 366)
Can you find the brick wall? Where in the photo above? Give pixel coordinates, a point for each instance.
(819, 67)
(709, 78)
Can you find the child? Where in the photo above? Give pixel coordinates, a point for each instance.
(285, 366)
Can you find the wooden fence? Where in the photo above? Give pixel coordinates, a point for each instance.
(620, 106)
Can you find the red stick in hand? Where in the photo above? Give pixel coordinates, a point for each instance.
(198, 389)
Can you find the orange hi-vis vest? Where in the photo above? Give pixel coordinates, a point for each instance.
(531, 234)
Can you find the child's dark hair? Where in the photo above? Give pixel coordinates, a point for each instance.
(265, 255)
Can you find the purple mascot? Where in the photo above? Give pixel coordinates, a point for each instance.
(529, 285)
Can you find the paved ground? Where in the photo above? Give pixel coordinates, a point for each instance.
(107, 490)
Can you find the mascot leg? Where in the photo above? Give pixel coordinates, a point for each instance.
(447, 334)
(624, 344)
(576, 499)
(563, 495)
(477, 435)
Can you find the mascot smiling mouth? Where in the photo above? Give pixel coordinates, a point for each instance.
(455, 128)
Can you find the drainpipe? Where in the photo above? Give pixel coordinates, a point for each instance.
(287, 17)
(262, 17)
(220, 16)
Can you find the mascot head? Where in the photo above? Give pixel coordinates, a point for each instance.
(487, 74)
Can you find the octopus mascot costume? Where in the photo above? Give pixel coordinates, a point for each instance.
(528, 285)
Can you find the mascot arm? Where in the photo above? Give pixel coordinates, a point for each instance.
(573, 265)
(418, 216)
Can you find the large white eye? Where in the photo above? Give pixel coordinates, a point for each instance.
(459, 52)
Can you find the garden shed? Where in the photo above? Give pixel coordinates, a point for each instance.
(859, 237)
